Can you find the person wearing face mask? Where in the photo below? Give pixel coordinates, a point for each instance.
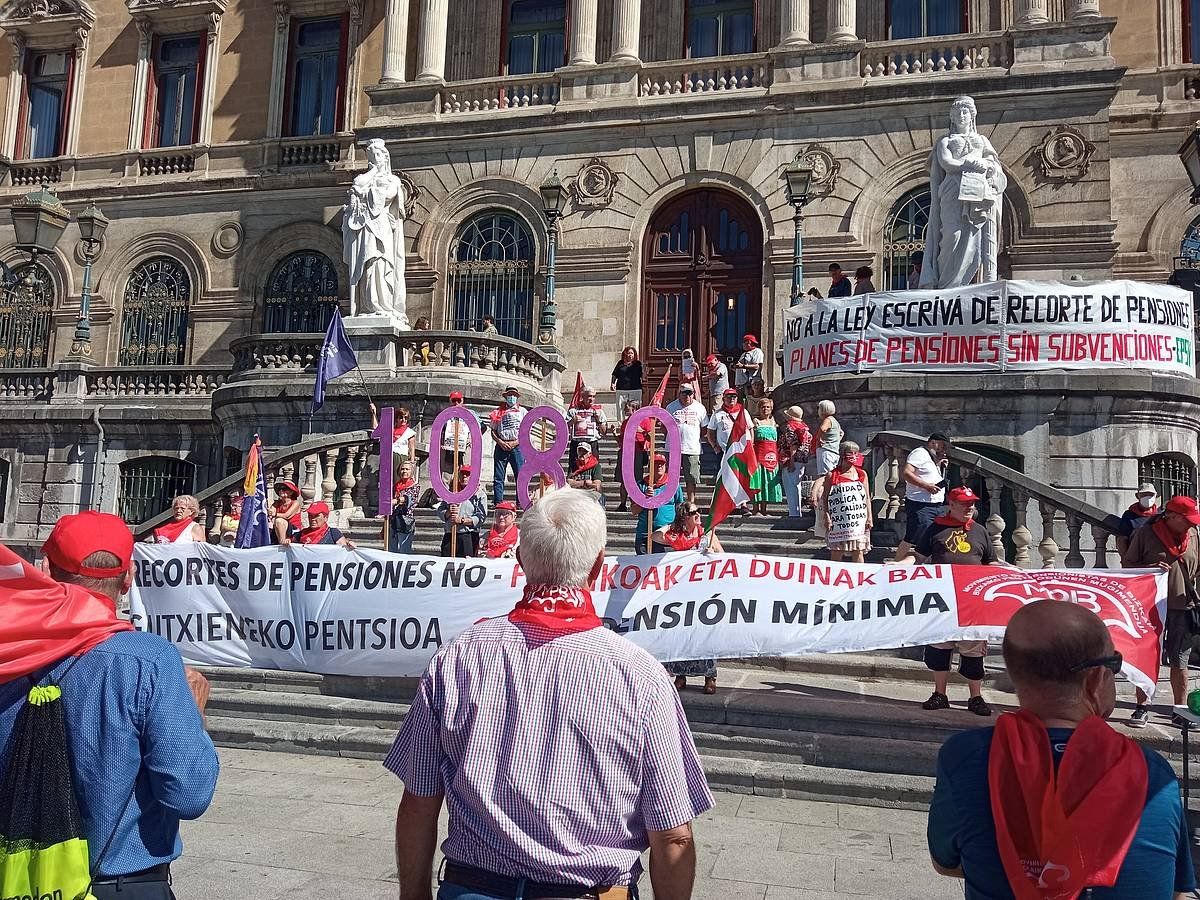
(1053, 795)
(1142, 510)
(506, 429)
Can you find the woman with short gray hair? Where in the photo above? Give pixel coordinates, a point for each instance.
(183, 527)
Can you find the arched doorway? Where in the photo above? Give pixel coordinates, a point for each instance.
(702, 283)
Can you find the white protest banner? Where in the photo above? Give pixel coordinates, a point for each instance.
(1003, 326)
(328, 610)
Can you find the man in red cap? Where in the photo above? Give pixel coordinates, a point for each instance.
(319, 531)
(955, 538)
(749, 366)
(1169, 541)
(464, 518)
(502, 539)
(449, 439)
(139, 754)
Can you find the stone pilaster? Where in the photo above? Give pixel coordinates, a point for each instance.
(1031, 12)
(1084, 9)
(627, 31)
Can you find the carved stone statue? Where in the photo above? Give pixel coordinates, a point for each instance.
(373, 239)
(966, 184)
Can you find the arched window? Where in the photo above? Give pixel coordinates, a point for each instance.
(301, 294)
(535, 36)
(719, 27)
(925, 18)
(25, 320)
(155, 314)
(491, 271)
(1172, 474)
(903, 236)
(148, 485)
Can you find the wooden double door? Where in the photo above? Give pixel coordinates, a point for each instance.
(702, 282)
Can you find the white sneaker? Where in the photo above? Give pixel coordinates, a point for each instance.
(1140, 716)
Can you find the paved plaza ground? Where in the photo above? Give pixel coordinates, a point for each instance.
(316, 827)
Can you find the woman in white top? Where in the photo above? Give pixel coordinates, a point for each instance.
(183, 527)
(828, 439)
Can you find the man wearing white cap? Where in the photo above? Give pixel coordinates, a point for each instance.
(1143, 509)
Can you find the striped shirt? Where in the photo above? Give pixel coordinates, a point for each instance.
(556, 754)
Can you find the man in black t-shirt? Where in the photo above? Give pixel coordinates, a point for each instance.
(956, 539)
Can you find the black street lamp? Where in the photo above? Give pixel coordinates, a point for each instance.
(554, 201)
(799, 175)
(92, 225)
(1186, 273)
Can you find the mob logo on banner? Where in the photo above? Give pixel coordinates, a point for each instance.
(1129, 606)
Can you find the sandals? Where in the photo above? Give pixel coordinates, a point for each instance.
(680, 682)
(710, 685)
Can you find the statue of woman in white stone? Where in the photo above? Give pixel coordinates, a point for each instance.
(966, 184)
(373, 239)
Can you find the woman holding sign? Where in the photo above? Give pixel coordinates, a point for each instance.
(846, 507)
(687, 533)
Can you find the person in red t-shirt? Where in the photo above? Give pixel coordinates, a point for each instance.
(502, 540)
(286, 510)
(686, 532)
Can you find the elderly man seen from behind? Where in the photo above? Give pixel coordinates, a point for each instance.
(1053, 795)
(559, 747)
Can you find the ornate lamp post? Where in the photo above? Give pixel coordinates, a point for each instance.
(92, 225)
(1187, 264)
(799, 175)
(554, 200)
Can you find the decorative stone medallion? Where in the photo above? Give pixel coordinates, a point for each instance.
(594, 185)
(227, 239)
(1064, 154)
(826, 169)
(411, 193)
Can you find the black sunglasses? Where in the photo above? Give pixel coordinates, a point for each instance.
(1112, 663)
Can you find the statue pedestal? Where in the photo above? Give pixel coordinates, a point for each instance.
(374, 340)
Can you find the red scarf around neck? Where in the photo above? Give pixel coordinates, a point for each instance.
(952, 522)
(1143, 513)
(1060, 832)
(173, 529)
(45, 621)
(314, 534)
(499, 542)
(1175, 544)
(554, 607)
(584, 464)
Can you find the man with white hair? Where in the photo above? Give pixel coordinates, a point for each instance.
(559, 747)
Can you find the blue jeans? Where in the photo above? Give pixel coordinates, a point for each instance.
(453, 892)
(504, 459)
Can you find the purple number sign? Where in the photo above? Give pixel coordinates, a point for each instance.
(536, 462)
(631, 477)
(386, 435)
(436, 433)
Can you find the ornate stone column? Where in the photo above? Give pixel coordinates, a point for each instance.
(395, 40)
(431, 51)
(1031, 12)
(1085, 9)
(583, 33)
(795, 17)
(627, 31)
(843, 23)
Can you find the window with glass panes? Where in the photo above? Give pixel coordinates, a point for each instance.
(301, 295)
(45, 105)
(316, 64)
(491, 273)
(719, 27)
(925, 18)
(536, 36)
(154, 314)
(176, 73)
(904, 235)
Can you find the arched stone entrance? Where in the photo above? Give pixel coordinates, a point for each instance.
(702, 261)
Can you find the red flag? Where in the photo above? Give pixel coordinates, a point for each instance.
(661, 393)
(577, 397)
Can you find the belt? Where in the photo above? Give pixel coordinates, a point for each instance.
(161, 872)
(474, 879)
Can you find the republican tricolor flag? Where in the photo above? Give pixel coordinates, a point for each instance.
(254, 529)
(738, 465)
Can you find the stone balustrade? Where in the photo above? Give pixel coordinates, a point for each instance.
(501, 93)
(949, 53)
(183, 381)
(160, 163)
(27, 385)
(470, 350)
(1054, 507)
(310, 151)
(276, 353)
(32, 175)
(705, 76)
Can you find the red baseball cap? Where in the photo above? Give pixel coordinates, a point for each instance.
(456, 395)
(751, 338)
(464, 470)
(1186, 507)
(729, 392)
(711, 358)
(318, 508)
(507, 505)
(659, 458)
(78, 536)
(963, 495)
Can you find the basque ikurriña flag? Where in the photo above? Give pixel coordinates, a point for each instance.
(336, 358)
(254, 528)
(738, 466)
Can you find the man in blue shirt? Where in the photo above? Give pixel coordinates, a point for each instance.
(1062, 662)
(141, 758)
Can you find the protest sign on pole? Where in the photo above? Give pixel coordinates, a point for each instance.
(326, 610)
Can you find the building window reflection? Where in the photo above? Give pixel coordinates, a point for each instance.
(536, 36)
(719, 27)
(925, 18)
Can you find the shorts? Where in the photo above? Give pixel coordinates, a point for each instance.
(917, 517)
(970, 658)
(1176, 639)
(689, 468)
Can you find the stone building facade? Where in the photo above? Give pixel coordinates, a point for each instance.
(220, 136)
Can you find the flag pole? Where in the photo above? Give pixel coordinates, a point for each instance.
(454, 477)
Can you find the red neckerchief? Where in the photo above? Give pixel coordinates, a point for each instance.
(679, 540)
(567, 610)
(1060, 832)
(951, 522)
(1176, 545)
(402, 486)
(313, 534)
(588, 462)
(45, 621)
(1137, 510)
(499, 542)
(173, 529)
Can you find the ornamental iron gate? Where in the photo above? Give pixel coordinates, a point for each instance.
(903, 236)
(149, 484)
(154, 321)
(301, 295)
(491, 272)
(25, 313)
(1171, 475)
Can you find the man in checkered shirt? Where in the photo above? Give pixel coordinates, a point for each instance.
(560, 748)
